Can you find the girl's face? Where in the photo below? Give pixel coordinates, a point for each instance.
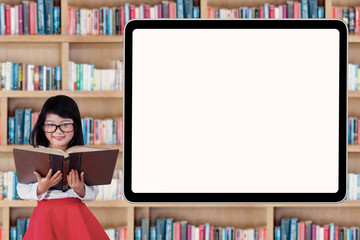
(58, 139)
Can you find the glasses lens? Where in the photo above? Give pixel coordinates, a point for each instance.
(49, 127)
(66, 127)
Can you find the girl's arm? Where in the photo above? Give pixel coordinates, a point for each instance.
(28, 191)
(90, 193)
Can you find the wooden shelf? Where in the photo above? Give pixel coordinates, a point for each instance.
(124, 203)
(353, 148)
(354, 94)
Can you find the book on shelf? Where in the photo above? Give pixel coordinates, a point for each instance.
(95, 131)
(8, 183)
(291, 9)
(98, 164)
(20, 126)
(85, 77)
(29, 17)
(117, 233)
(307, 230)
(170, 229)
(30, 77)
(111, 20)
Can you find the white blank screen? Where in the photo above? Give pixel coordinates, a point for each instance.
(235, 111)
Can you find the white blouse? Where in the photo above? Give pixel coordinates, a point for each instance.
(28, 192)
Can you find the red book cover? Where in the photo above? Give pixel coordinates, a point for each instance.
(284, 9)
(122, 20)
(208, 12)
(147, 11)
(74, 19)
(326, 232)
(125, 233)
(69, 21)
(97, 29)
(357, 20)
(313, 232)
(333, 12)
(261, 12)
(336, 233)
(172, 10)
(7, 19)
(20, 14)
(302, 230)
(32, 15)
(24, 77)
(36, 78)
(202, 232)
(265, 233)
(160, 11)
(271, 11)
(338, 13)
(132, 11)
(212, 231)
(34, 118)
(177, 231)
(296, 9)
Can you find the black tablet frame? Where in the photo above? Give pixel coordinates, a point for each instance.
(236, 24)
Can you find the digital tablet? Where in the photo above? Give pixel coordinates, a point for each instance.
(237, 111)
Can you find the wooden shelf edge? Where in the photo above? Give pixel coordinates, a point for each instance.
(353, 148)
(354, 94)
(124, 203)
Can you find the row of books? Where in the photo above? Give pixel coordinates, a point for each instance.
(353, 186)
(353, 77)
(353, 131)
(102, 132)
(303, 9)
(17, 232)
(169, 229)
(117, 234)
(95, 131)
(20, 126)
(350, 16)
(85, 77)
(8, 183)
(293, 229)
(39, 17)
(110, 21)
(112, 191)
(22, 76)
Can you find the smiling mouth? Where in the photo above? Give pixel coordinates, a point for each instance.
(58, 138)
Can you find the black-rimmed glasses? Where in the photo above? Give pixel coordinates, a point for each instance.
(64, 127)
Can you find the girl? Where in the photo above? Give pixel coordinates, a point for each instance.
(60, 215)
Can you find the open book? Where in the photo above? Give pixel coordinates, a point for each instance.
(97, 163)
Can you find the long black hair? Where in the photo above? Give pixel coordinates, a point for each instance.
(65, 107)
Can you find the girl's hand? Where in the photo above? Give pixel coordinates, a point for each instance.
(76, 183)
(47, 182)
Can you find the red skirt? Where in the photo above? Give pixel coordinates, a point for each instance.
(65, 218)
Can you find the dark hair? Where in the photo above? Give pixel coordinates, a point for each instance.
(65, 107)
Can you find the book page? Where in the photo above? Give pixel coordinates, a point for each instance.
(45, 150)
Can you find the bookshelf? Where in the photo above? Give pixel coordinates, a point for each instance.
(58, 50)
